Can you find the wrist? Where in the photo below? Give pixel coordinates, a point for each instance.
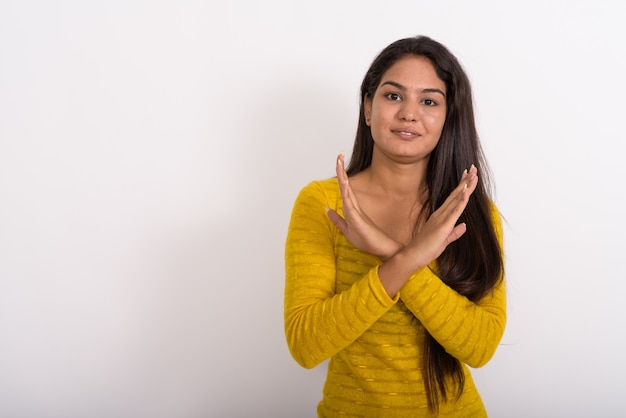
(393, 248)
(395, 271)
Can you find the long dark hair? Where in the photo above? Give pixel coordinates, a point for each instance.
(473, 264)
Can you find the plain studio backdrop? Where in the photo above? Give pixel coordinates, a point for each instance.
(151, 151)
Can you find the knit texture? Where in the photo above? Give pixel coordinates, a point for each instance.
(336, 307)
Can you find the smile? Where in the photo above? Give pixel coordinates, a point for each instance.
(405, 134)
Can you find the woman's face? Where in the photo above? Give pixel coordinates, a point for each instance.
(407, 112)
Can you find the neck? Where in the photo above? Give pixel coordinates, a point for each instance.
(395, 179)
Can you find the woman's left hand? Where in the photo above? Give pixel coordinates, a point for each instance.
(356, 225)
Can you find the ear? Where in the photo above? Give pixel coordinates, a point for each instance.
(367, 109)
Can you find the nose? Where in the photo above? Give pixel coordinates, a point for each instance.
(409, 112)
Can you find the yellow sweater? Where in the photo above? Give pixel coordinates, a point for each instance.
(336, 307)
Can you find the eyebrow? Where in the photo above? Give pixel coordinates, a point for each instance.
(401, 87)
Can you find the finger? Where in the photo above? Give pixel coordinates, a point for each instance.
(342, 178)
(337, 220)
(351, 205)
(473, 169)
(459, 202)
(341, 172)
(470, 181)
(459, 196)
(469, 176)
(457, 232)
(455, 204)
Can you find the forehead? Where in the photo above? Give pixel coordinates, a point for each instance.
(413, 72)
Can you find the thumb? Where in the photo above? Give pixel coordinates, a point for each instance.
(336, 219)
(457, 232)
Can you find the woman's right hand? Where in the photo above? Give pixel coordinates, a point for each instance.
(356, 225)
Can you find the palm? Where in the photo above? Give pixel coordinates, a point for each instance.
(357, 227)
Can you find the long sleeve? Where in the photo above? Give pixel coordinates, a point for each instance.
(319, 321)
(468, 331)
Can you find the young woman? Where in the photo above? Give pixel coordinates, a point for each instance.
(394, 269)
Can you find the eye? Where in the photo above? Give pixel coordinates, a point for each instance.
(393, 96)
(429, 102)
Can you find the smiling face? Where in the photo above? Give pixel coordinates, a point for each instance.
(407, 112)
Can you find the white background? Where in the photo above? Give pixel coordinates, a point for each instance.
(150, 153)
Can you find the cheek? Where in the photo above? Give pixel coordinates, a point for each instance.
(435, 121)
(376, 120)
(384, 114)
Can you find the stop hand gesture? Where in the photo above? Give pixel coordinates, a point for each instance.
(433, 237)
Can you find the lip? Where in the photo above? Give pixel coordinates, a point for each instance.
(405, 133)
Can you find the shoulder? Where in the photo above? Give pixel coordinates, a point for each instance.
(309, 211)
(496, 219)
(326, 190)
(329, 185)
(493, 209)
(494, 213)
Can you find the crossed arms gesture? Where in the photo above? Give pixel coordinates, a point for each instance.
(432, 239)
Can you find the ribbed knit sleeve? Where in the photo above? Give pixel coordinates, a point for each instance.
(468, 331)
(319, 322)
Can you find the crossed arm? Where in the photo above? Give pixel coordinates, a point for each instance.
(320, 322)
(400, 261)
